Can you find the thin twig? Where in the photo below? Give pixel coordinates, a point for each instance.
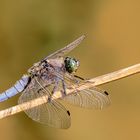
(90, 83)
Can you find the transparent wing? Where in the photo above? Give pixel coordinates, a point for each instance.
(66, 49)
(89, 98)
(51, 113)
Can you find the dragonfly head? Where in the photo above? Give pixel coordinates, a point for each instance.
(71, 64)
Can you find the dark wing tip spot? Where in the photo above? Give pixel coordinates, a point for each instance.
(68, 112)
(106, 93)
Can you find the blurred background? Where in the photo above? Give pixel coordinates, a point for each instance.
(30, 30)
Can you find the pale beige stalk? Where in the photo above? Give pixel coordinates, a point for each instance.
(90, 83)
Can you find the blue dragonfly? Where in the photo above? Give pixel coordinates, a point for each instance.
(55, 73)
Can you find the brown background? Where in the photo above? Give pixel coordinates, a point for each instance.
(30, 30)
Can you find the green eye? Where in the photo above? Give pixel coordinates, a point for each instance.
(71, 64)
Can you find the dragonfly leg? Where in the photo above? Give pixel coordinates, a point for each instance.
(100, 90)
(78, 79)
(55, 88)
(64, 88)
(81, 78)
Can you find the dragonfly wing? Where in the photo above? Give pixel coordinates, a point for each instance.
(66, 49)
(51, 113)
(89, 98)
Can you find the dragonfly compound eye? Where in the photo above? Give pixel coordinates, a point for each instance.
(71, 64)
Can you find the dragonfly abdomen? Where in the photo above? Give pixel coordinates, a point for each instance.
(17, 88)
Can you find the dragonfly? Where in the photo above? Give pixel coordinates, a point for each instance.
(55, 73)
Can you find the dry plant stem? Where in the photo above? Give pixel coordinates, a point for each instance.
(90, 83)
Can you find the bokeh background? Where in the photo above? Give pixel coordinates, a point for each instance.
(30, 30)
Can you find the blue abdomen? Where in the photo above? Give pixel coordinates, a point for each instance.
(17, 88)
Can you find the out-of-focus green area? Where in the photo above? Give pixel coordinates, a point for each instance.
(30, 30)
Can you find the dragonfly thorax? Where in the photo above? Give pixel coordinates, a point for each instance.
(71, 64)
(47, 67)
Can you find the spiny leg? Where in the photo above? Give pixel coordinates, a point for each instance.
(81, 78)
(64, 88)
(76, 76)
(55, 88)
(56, 85)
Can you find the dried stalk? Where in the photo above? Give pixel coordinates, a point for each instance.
(90, 83)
